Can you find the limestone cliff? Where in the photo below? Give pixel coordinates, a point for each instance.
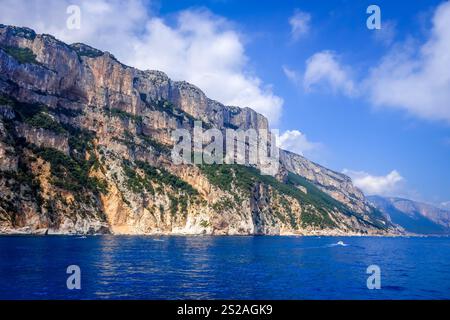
(85, 148)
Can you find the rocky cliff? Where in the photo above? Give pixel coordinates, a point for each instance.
(413, 216)
(85, 148)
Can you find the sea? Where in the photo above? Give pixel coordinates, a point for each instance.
(224, 267)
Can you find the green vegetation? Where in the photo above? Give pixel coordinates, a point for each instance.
(319, 197)
(146, 142)
(21, 32)
(173, 205)
(68, 173)
(225, 176)
(6, 101)
(245, 178)
(204, 224)
(167, 107)
(164, 106)
(22, 55)
(23, 110)
(127, 140)
(165, 177)
(27, 187)
(157, 146)
(223, 204)
(21, 178)
(142, 176)
(34, 114)
(136, 182)
(70, 113)
(80, 140)
(292, 218)
(324, 200)
(85, 51)
(44, 121)
(123, 115)
(38, 116)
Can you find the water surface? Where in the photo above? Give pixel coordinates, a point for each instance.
(135, 267)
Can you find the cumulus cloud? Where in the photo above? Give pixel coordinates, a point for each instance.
(411, 76)
(204, 50)
(416, 78)
(108, 25)
(388, 185)
(300, 24)
(297, 142)
(323, 70)
(198, 46)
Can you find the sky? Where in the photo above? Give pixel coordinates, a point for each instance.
(371, 103)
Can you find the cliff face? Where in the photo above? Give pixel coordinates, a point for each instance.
(85, 148)
(337, 185)
(415, 217)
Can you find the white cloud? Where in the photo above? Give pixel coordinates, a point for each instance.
(445, 205)
(388, 185)
(412, 76)
(416, 78)
(386, 35)
(203, 49)
(198, 47)
(324, 71)
(300, 24)
(108, 25)
(292, 75)
(297, 142)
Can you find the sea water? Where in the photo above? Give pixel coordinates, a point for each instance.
(208, 267)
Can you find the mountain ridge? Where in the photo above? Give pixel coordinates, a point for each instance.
(75, 104)
(414, 216)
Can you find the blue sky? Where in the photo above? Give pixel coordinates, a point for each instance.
(353, 134)
(372, 103)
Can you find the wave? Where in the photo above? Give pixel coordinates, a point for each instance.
(339, 243)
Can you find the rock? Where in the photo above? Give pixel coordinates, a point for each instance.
(337, 185)
(100, 162)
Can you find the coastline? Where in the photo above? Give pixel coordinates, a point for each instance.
(315, 233)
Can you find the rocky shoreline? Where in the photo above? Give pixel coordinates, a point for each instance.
(311, 233)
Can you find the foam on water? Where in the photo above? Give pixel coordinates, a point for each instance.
(339, 243)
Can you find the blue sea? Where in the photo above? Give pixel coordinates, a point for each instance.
(203, 267)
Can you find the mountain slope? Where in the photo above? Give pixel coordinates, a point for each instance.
(415, 217)
(85, 148)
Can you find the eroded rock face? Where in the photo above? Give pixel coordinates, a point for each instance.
(43, 138)
(85, 148)
(337, 185)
